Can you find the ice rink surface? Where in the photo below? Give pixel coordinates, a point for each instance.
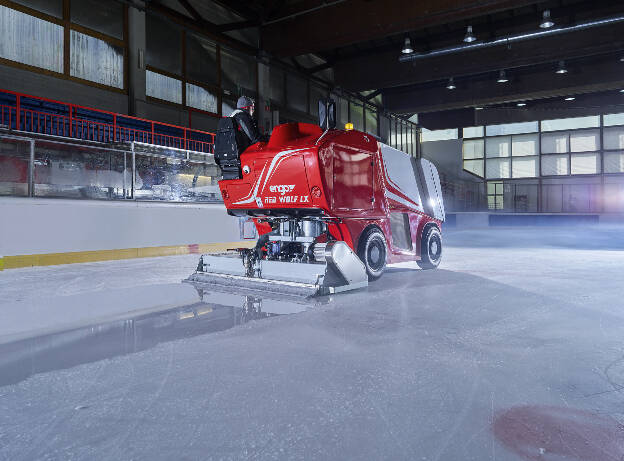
(513, 349)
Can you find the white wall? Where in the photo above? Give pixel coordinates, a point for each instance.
(36, 226)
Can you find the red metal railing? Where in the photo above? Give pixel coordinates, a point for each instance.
(115, 129)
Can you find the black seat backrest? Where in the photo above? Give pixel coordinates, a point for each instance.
(230, 142)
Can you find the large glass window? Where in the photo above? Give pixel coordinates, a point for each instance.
(585, 163)
(497, 168)
(200, 98)
(104, 17)
(555, 165)
(613, 119)
(163, 87)
(473, 132)
(238, 71)
(473, 149)
(524, 167)
(164, 45)
(201, 60)
(30, 40)
(511, 128)
(523, 145)
(51, 7)
(438, 135)
(585, 141)
(555, 143)
(571, 123)
(614, 138)
(96, 60)
(614, 162)
(498, 147)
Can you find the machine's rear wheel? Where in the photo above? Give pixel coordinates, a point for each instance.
(372, 251)
(431, 248)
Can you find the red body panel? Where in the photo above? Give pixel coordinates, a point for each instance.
(340, 176)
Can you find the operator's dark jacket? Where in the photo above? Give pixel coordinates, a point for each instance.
(248, 126)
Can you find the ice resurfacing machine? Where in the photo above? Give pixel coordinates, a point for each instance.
(332, 208)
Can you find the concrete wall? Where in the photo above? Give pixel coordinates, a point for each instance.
(38, 226)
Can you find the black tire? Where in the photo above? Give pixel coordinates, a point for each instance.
(373, 252)
(431, 248)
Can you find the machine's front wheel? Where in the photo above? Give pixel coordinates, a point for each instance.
(431, 248)
(373, 251)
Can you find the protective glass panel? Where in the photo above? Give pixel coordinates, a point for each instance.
(498, 147)
(238, 71)
(473, 132)
(579, 198)
(51, 7)
(105, 17)
(613, 198)
(297, 93)
(555, 143)
(474, 167)
(439, 135)
(613, 119)
(171, 179)
(524, 167)
(371, 121)
(473, 149)
(201, 60)
(585, 141)
(511, 128)
(571, 123)
(164, 44)
(163, 87)
(524, 145)
(14, 159)
(497, 168)
(614, 138)
(96, 60)
(555, 165)
(357, 118)
(614, 162)
(31, 40)
(62, 170)
(585, 163)
(200, 98)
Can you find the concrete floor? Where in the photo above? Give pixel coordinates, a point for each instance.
(513, 349)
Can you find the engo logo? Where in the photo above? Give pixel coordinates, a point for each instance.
(282, 188)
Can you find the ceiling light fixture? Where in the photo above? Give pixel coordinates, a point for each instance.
(570, 98)
(521, 104)
(451, 84)
(470, 37)
(502, 77)
(547, 22)
(407, 46)
(621, 91)
(478, 108)
(562, 68)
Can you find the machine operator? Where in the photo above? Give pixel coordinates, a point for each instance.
(243, 115)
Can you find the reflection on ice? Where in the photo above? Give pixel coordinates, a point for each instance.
(210, 311)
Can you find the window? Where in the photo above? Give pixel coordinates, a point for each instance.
(439, 135)
(585, 163)
(162, 87)
(96, 60)
(511, 128)
(104, 17)
(585, 141)
(238, 71)
(31, 40)
(614, 162)
(555, 143)
(613, 119)
(164, 45)
(201, 60)
(200, 98)
(523, 145)
(472, 152)
(497, 168)
(498, 147)
(555, 165)
(524, 167)
(571, 123)
(614, 138)
(51, 7)
(473, 132)
(495, 195)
